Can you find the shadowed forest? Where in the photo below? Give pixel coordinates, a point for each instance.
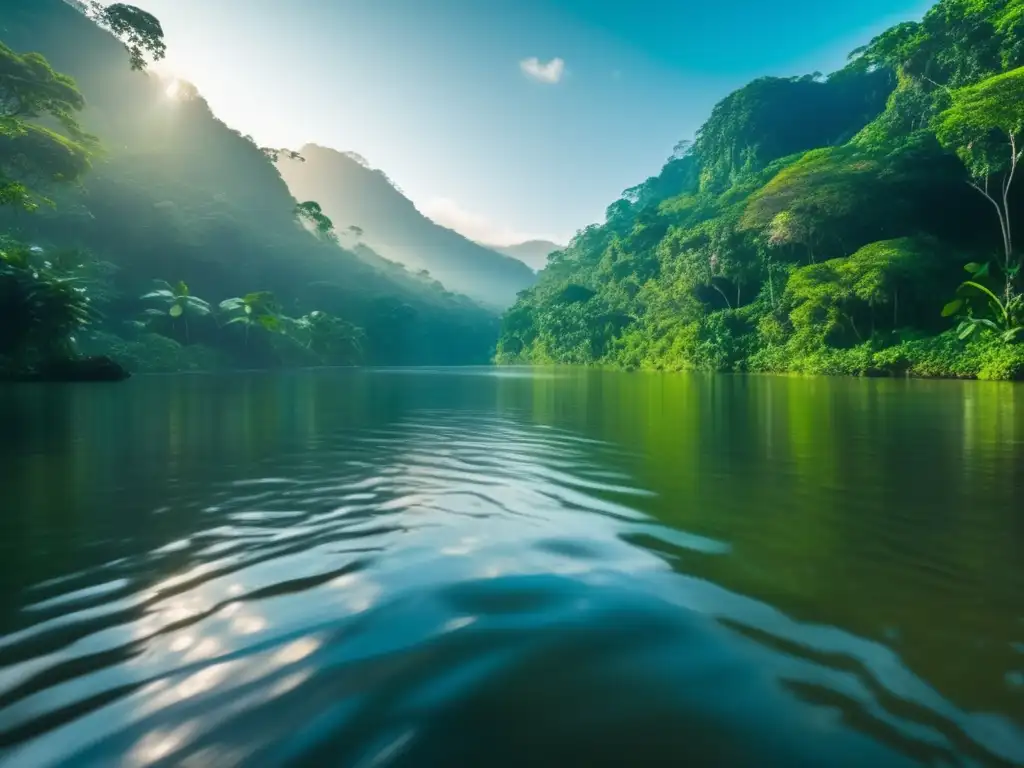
(137, 225)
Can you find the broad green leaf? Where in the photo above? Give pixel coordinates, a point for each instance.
(973, 267)
(176, 310)
(967, 330)
(994, 300)
(952, 308)
(161, 294)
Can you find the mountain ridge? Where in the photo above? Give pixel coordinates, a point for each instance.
(367, 206)
(533, 253)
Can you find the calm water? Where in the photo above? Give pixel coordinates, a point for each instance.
(476, 567)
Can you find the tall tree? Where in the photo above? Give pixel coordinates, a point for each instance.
(34, 155)
(139, 31)
(984, 125)
(31, 154)
(311, 213)
(178, 302)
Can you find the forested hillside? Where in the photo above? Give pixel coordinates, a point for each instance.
(164, 191)
(364, 203)
(855, 223)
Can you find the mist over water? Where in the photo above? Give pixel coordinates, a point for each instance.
(508, 567)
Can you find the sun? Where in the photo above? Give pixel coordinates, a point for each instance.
(173, 89)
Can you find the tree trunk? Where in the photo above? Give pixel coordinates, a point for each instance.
(1001, 212)
(1014, 158)
(853, 325)
(721, 292)
(1002, 207)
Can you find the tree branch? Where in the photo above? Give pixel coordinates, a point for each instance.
(727, 302)
(999, 211)
(937, 85)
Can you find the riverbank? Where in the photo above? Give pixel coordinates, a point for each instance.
(926, 357)
(85, 369)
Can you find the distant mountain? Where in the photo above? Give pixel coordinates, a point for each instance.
(355, 195)
(533, 253)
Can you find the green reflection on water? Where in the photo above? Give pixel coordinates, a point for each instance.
(889, 509)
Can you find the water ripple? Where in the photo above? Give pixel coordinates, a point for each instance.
(392, 595)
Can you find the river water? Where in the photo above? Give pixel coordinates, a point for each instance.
(510, 567)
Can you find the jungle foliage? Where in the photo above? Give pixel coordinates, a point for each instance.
(818, 224)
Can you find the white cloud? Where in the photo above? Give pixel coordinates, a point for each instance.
(550, 72)
(449, 213)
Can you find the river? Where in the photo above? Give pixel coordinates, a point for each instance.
(511, 567)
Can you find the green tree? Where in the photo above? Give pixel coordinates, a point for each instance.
(983, 124)
(310, 213)
(811, 203)
(258, 309)
(880, 272)
(330, 338)
(178, 304)
(139, 31)
(32, 155)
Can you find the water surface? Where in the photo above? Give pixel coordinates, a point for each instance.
(512, 567)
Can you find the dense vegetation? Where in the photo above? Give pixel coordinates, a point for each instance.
(138, 225)
(818, 224)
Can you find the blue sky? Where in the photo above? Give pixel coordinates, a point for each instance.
(504, 119)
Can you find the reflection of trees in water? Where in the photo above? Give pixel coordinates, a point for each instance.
(842, 504)
(883, 507)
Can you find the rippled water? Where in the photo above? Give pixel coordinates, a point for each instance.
(479, 567)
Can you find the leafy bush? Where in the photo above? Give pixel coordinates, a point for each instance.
(946, 356)
(42, 306)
